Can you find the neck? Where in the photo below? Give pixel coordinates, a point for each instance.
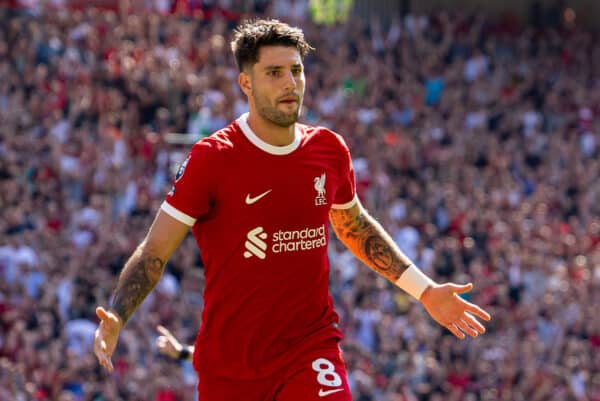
(272, 134)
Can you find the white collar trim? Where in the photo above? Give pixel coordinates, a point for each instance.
(242, 121)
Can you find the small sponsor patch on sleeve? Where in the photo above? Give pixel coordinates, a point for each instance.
(182, 169)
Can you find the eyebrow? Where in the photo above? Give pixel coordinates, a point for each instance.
(280, 67)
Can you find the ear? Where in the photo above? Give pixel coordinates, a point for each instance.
(245, 83)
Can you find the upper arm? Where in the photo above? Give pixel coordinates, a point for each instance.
(345, 195)
(190, 197)
(347, 219)
(195, 185)
(165, 235)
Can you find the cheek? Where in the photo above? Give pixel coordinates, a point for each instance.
(302, 83)
(258, 88)
(262, 96)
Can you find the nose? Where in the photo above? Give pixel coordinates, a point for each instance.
(290, 81)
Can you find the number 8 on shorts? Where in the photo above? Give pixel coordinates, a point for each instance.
(326, 373)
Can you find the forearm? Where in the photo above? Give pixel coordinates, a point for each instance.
(139, 276)
(369, 242)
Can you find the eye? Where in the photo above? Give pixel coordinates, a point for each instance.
(274, 73)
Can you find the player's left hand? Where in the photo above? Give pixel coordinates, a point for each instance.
(453, 312)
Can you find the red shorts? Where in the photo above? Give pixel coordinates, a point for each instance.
(316, 376)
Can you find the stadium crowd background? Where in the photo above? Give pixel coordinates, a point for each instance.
(475, 143)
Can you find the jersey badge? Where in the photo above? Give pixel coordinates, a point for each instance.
(320, 188)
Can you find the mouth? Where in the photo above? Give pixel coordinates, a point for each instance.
(289, 100)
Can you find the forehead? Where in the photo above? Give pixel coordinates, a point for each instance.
(278, 56)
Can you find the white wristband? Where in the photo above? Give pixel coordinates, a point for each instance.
(414, 281)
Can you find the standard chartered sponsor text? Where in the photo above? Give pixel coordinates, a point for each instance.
(299, 240)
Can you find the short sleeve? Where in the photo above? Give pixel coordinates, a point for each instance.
(345, 196)
(194, 185)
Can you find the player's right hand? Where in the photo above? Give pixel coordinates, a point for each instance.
(106, 337)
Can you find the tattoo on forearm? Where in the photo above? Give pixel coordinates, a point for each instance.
(137, 279)
(369, 242)
(380, 253)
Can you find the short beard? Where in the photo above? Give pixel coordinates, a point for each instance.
(276, 116)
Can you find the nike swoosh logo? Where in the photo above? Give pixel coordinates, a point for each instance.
(250, 200)
(324, 393)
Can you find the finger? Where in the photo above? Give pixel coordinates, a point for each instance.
(460, 288)
(99, 344)
(100, 350)
(161, 342)
(106, 363)
(101, 313)
(465, 328)
(164, 331)
(477, 311)
(104, 349)
(471, 321)
(454, 330)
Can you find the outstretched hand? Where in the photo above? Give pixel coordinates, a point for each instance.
(446, 307)
(106, 337)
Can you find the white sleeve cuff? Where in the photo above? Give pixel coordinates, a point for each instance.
(177, 214)
(414, 281)
(346, 205)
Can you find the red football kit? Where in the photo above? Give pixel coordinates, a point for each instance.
(260, 216)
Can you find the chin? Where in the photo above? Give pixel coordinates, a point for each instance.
(286, 122)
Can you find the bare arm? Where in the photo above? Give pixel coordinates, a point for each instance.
(365, 237)
(144, 268)
(369, 242)
(139, 276)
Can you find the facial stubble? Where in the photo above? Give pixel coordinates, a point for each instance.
(273, 114)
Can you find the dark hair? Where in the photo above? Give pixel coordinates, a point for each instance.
(251, 35)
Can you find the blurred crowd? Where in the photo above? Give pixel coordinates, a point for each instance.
(475, 144)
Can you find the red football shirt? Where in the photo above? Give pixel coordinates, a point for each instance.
(260, 216)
